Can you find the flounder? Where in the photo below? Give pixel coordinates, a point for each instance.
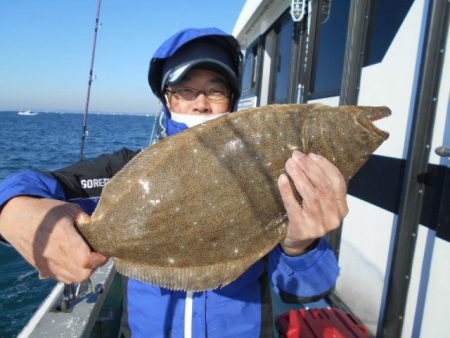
(196, 210)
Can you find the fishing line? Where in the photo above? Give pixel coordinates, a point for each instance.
(154, 136)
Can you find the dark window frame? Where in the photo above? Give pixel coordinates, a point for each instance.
(253, 89)
(313, 94)
(276, 28)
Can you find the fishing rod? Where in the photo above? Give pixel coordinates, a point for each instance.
(72, 292)
(91, 78)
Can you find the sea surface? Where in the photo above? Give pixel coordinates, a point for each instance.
(50, 141)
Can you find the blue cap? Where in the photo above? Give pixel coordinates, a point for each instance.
(217, 38)
(200, 53)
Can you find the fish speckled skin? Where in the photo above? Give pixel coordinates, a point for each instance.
(196, 210)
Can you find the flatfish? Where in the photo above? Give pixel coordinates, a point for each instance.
(196, 210)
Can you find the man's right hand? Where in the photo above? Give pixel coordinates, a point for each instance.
(42, 230)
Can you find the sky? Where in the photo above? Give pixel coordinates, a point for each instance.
(46, 46)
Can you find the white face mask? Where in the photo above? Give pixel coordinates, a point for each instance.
(193, 120)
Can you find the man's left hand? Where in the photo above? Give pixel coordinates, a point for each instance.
(323, 204)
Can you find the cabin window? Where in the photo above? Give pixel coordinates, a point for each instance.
(329, 60)
(250, 73)
(281, 70)
(386, 19)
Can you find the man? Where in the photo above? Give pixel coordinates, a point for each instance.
(196, 75)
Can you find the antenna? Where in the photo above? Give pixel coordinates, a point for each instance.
(92, 77)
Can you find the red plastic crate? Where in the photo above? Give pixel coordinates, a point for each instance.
(320, 323)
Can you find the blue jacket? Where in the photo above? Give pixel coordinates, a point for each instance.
(242, 308)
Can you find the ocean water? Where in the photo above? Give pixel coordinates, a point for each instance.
(44, 142)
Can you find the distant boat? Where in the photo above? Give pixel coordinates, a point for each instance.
(27, 113)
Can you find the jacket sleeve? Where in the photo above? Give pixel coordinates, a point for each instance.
(304, 278)
(78, 182)
(29, 183)
(86, 179)
(82, 179)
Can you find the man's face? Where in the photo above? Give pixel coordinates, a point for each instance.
(201, 80)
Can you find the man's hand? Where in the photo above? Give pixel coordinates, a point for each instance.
(42, 231)
(322, 189)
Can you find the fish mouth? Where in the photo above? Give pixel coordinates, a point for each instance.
(371, 114)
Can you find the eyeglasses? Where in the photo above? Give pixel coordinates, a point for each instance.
(190, 94)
